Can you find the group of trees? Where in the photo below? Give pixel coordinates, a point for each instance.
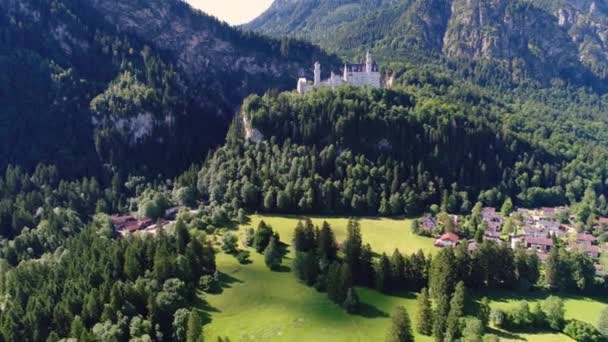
(318, 264)
(98, 288)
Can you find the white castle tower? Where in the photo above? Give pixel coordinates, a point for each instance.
(368, 62)
(317, 80)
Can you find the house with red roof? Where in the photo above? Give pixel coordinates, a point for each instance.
(448, 239)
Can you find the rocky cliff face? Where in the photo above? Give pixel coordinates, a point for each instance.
(543, 39)
(142, 84)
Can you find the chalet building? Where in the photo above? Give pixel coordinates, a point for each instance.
(541, 244)
(492, 236)
(591, 250)
(493, 219)
(127, 224)
(448, 239)
(585, 238)
(429, 223)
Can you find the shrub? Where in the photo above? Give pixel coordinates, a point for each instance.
(229, 243)
(497, 318)
(582, 331)
(243, 257)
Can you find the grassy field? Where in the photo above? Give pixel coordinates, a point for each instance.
(259, 305)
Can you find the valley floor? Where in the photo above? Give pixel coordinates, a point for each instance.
(259, 305)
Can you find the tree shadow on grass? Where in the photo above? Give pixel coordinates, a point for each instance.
(226, 281)
(370, 311)
(282, 269)
(505, 334)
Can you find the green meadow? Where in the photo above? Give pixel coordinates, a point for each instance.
(259, 305)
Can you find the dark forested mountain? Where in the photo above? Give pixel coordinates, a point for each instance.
(530, 39)
(142, 85)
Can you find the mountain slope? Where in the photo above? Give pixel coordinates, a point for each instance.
(540, 40)
(140, 85)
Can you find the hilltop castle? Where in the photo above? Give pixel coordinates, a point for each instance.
(357, 75)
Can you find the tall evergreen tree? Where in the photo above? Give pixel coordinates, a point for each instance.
(456, 312)
(440, 314)
(397, 270)
(383, 274)
(424, 313)
(351, 303)
(194, 327)
(272, 254)
(443, 275)
(401, 327)
(352, 248)
(327, 247)
(552, 268)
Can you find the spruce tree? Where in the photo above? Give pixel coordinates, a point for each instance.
(401, 327)
(552, 266)
(352, 248)
(299, 238)
(366, 266)
(397, 270)
(424, 313)
(327, 248)
(194, 327)
(484, 311)
(182, 236)
(383, 274)
(440, 317)
(262, 236)
(272, 255)
(456, 312)
(443, 275)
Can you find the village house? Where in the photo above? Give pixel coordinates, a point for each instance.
(492, 236)
(493, 219)
(591, 250)
(448, 239)
(541, 244)
(429, 223)
(585, 238)
(127, 224)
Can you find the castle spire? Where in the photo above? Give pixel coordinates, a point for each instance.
(369, 62)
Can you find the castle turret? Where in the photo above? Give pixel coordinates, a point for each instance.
(317, 80)
(368, 62)
(345, 75)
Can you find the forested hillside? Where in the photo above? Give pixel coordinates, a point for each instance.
(142, 86)
(431, 140)
(537, 40)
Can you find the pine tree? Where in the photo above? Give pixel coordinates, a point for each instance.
(424, 313)
(484, 311)
(77, 328)
(262, 236)
(401, 327)
(299, 238)
(397, 270)
(507, 207)
(383, 273)
(440, 317)
(352, 248)
(327, 249)
(366, 267)
(194, 327)
(552, 268)
(443, 276)
(456, 311)
(182, 235)
(272, 255)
